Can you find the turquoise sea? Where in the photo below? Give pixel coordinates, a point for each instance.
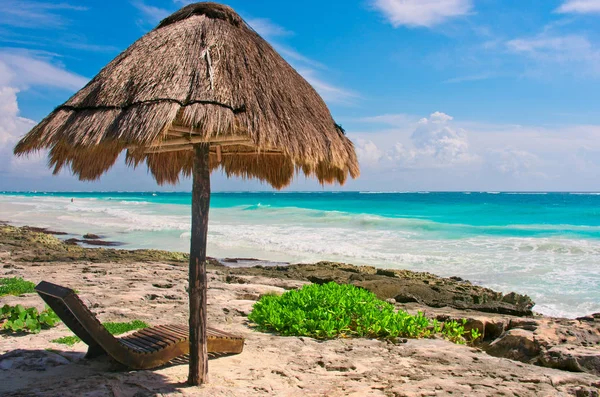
(546, 245)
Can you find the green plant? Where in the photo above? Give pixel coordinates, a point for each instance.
(332, 310)
(67, 340)
(121, 328)
(475, 334)
(20, 319)
(113, 328)
(15, 286)
(454, 331)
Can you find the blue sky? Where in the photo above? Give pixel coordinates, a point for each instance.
(436, 94)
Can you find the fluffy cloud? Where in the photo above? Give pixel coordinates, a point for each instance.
(511, 161)
(403, 152)
(425, 13)
(12, 127)
(19, 71)
(434, 143)
(368, 152)
(580, 7)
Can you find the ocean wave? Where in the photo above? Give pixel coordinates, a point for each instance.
(560, 273)
(395, 192)
(526, 193)
(136, 202)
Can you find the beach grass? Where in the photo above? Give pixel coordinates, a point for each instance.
(15, 286)
(115, 328)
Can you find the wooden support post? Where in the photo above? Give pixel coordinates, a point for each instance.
(197, 282)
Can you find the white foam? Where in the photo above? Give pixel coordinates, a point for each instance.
(560, 274)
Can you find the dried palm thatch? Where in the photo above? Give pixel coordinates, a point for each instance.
(202, 75)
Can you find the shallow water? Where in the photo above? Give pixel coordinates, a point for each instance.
(544, 244)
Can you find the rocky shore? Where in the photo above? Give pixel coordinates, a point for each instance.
(520, 353)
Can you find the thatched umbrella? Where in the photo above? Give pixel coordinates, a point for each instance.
(201, 91)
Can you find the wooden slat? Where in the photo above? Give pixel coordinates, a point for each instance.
(151, 342)
(155, 337)
(201, 139)
(190, 146)
(178, 133)
(182, 334)
(178, 334)
(170, 339)
(170, 149)
(167, 334)
(130, 345)
(192, 131)
(140, 344)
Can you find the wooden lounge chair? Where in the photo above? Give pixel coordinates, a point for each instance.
(144, 349)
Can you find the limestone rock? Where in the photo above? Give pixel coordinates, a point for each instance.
(578, 359)
(516, 344)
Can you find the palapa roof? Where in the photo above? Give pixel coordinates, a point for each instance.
(202, 75)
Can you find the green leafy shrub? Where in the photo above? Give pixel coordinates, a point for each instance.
(67, 340)
(20, 319)
(454, 331)
(113, 328)
(331, 310)
(15, 286)
(121, 328)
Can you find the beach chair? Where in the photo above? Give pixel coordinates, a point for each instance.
(148, 348)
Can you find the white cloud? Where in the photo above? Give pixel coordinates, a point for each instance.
(22, 69)
(551, 44)
(580, 7)
(266, 28)
(425, 13)
(438, 143)
(473, 77)
(512, 161)
(12, 127)
(431, 142)
(292, 55)
(19, 71)
(573, 50)
(368, 153)
(389, 119)
(150, 13)
(439, 152)
(328, 91)
(33, 14)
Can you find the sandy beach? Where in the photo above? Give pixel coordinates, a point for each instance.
(119, 288)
